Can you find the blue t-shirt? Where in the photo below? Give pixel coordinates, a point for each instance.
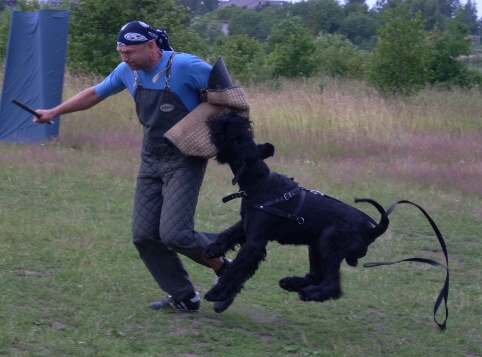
(189, 74)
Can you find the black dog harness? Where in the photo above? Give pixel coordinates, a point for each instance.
(301, 191)
(298, 191)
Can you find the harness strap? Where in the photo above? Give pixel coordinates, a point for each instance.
(297, 219)
(167, 89)
(445, 290)
(300, 202)
(168, 69)
(287, 196)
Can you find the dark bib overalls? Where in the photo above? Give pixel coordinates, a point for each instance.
(166, 194)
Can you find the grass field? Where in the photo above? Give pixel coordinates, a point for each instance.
(72, 283)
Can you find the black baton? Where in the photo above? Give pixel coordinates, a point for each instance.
(28, 109)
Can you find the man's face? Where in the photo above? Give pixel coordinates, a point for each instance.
(137, 57)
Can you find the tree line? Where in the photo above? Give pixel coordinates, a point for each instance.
(398, 46)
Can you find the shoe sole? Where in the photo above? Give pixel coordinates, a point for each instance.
(180, 306)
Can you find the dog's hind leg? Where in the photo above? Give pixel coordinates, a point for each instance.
(314, 277)
(227, 240)
(329, 263)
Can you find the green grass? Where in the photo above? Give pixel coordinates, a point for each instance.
(72, 283)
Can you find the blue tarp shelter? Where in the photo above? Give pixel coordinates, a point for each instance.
(34, 73)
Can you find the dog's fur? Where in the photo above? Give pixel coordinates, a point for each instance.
(332, 230)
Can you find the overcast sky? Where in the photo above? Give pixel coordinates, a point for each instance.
(478, 5)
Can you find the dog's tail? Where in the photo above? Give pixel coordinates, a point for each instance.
(380, 227)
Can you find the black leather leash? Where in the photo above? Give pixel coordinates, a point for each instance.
(445, 290)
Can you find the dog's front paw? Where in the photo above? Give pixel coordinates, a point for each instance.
(216, 294)
(294, 283)
(213, 250)
(311, 293)
(320, 293)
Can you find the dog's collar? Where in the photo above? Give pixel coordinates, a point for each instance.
(244, 193)
(234, 195)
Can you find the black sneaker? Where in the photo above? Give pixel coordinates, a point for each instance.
(186, 305)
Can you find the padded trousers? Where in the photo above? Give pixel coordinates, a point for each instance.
(165, 201)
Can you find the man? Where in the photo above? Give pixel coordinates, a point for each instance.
(165, 86)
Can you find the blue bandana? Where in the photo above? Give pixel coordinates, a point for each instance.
(138, 32)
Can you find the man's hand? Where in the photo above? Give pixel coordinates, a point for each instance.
(46, 116)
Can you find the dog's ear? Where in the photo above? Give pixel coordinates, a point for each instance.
(265, 150)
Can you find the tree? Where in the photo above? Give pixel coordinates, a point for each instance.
(360, 26)
(357, 2)
(248, 22)
(5, 17)
(449, 7)
(227, 13)
(292, 49)
(239, 53)
(382, 5)
(469, 18)
(4, 30)
(198, 7)
(254, 23)
(207, 28)
(94, 26)
(319, 15)
(435, 13)
(431, 13)
(398, 63)
(446, 47)
(337, 56)
(270, 17)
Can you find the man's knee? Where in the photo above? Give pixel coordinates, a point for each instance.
(187, 240)
(143, 240)
(174, 239)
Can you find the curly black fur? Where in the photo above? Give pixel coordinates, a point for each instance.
(332, 230)
(226, 131)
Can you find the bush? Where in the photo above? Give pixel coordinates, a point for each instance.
(337, 56)
(398, 63)
(240, 53)
(96, 23)
(292, 49)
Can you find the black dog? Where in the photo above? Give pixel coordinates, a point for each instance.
(275, 208)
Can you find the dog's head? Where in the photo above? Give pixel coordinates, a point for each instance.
(233, 136)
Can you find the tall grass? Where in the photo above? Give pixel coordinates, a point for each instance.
(72, 283)
(350, 127)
